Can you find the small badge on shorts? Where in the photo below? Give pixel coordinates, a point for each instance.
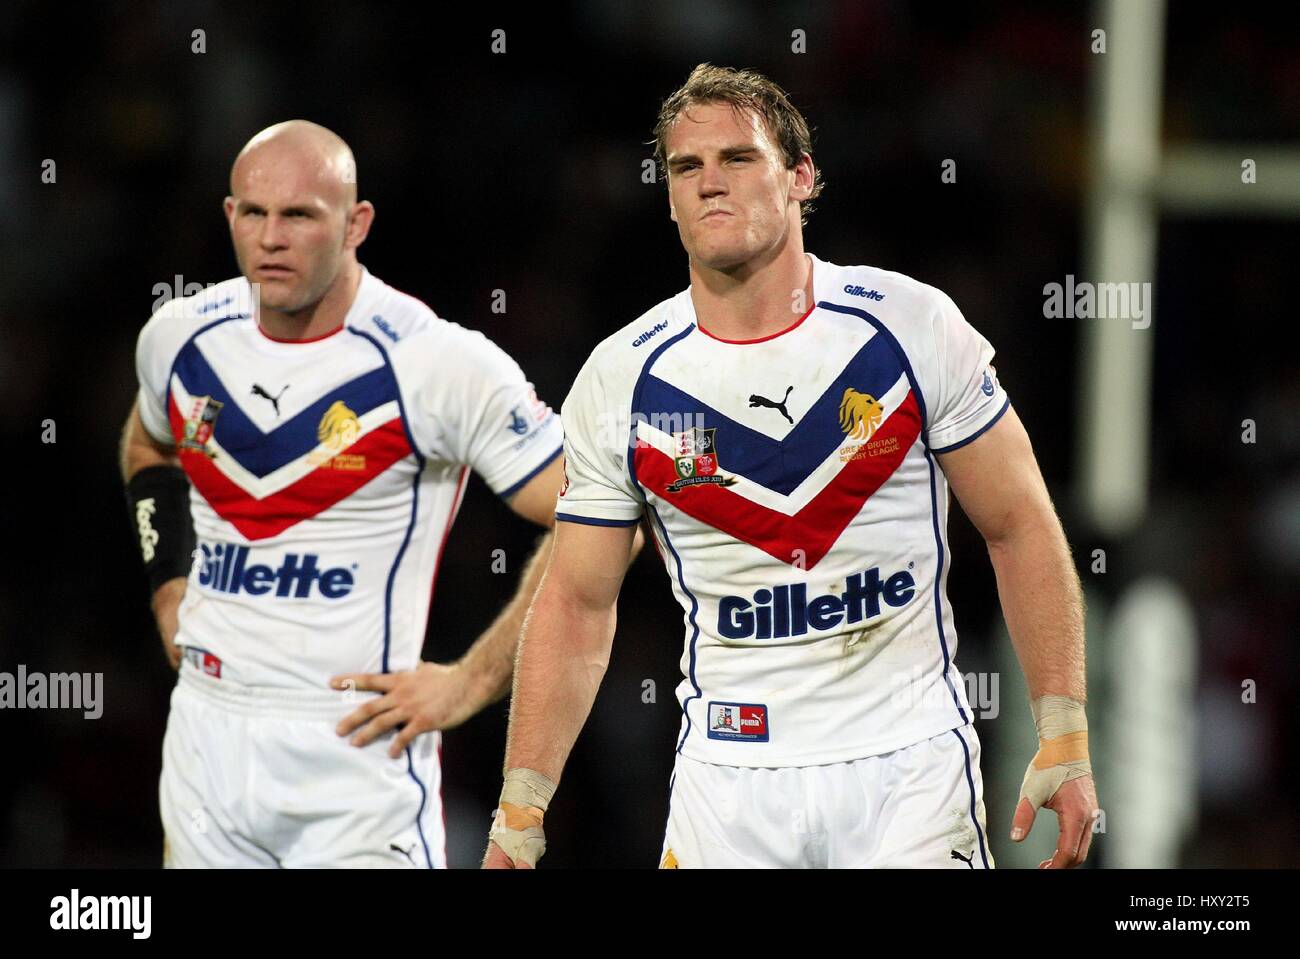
(746, 722)
(203, 661)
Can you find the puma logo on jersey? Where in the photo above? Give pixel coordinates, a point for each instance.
(275, 400)
(756, 401)
(965, 859)
(860, 414)
(405, 852)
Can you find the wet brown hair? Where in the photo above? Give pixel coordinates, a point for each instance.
(742, 90)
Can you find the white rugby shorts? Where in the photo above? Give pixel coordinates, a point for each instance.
(921, 806)
(257, 777)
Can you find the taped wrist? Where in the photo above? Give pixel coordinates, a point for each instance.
(1062, 755)
(158, 498)
(517, 827)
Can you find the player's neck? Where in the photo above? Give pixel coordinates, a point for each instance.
(762, 298)
(322, 318)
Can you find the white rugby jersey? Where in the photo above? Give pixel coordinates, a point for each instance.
(326, 474)
(792, 489)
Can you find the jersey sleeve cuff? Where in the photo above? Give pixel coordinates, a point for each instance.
(977, 434)
(520, 484)
(594, 521)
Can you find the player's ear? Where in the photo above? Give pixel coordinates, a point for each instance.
(229, 207)
(804, 177)
(360, 217)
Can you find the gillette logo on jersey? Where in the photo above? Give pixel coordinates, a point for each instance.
(785, 611)
(226, 569)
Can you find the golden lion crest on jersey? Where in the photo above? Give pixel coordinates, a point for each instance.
(339, 427)
(860, 414)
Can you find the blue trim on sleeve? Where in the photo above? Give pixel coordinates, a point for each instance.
(591, 521)
(515, 488)
(978, 433)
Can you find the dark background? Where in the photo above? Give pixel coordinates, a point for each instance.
(522, 172)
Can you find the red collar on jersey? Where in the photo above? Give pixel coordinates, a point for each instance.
(310, 339)
(761, 339)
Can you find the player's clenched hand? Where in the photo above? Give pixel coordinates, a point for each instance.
(166, 603)
(431, 696)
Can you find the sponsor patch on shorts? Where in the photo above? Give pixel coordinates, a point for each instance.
(204, 661)
(746, 722)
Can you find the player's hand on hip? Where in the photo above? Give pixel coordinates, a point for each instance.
(431, 696)
(166, 613)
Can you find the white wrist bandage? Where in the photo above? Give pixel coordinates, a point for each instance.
(1062, 748)
(517, 827)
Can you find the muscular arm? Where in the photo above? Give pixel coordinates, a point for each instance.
(997, 482)
(566, 644)
(563, 654)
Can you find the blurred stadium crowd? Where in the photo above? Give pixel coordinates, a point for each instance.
(522, 172)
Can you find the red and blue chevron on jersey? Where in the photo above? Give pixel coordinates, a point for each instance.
(326, 473)
(792, 487)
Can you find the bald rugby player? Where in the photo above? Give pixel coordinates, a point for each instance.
(294, 462)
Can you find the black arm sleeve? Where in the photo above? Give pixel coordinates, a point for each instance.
(159, 500)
